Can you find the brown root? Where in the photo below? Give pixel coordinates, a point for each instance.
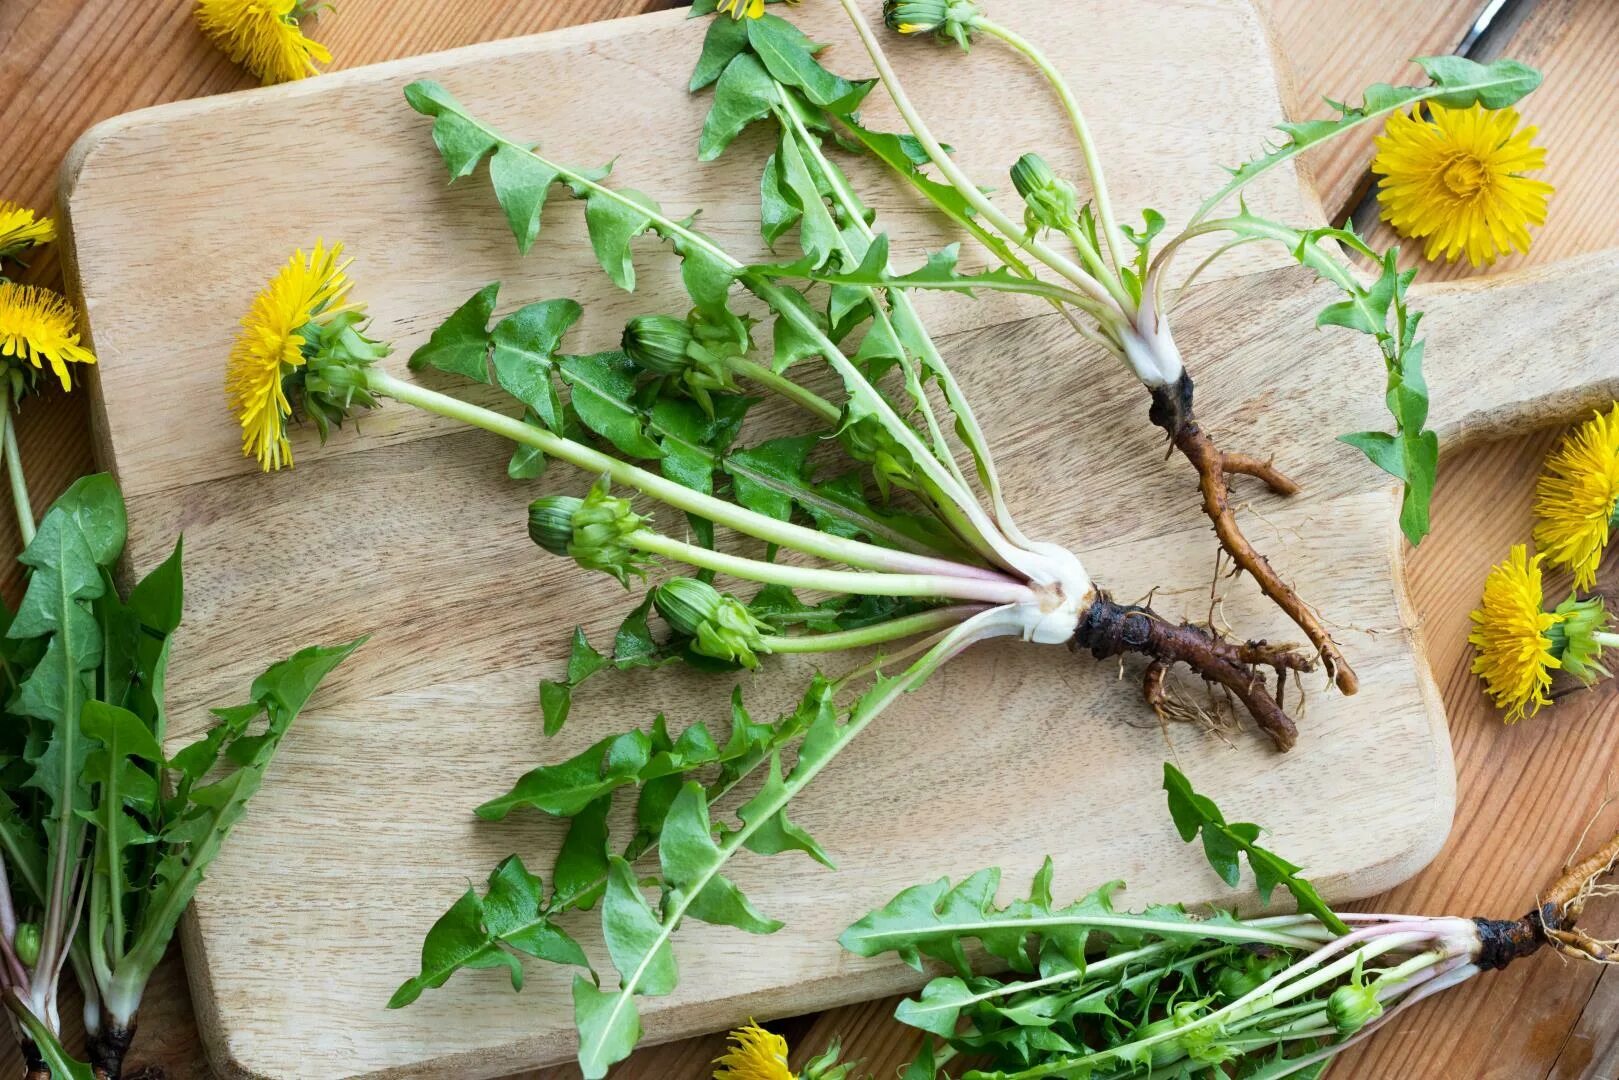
(1110, 629)
(107, 1051)
(1172, 411)
(1553, 922)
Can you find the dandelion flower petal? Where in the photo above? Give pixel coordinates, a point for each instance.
(1510, 631)
(39, 326)
(756, 1054)
(269, 347)
(263, 36)
(1453, 178)
(21, 230)
(1576, 495)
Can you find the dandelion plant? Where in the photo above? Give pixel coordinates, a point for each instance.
(1112, 285)
(104, 838)
(1095, 991)
(882, 525)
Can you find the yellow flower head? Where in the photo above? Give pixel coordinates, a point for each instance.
(263, 36)
(1510, 631)
(1455, 180)
(38, 325)
(1576, 496)
(271, 346)
(746, 9)
(757, 1055)
(20, 230)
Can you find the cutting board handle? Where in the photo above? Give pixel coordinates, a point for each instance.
(1516, 351)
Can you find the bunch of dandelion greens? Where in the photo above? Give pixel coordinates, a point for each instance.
(1117, 292)
(1107, 994)
(103, 838)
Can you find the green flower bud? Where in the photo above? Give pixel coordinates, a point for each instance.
(1243, 977)
(26, 943)
(1352, 1007)
(869, 441)
(826, 1066)
(658, 343)
(719, 624)
(550, 522)
(1051, 202)
(1577, 640)
(947, 20)
(593, 531)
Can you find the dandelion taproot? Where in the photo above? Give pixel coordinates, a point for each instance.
(1454, 179)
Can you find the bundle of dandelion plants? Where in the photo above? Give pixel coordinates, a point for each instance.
(905, 544)
(1103, 993)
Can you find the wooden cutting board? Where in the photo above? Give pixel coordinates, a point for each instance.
(408, 528)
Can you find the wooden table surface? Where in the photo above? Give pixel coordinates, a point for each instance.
(1525, 793)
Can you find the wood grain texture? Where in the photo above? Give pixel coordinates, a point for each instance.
(419, 562)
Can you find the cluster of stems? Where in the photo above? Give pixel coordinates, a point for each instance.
(1109, 293)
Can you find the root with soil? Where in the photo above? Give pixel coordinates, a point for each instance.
(1172, 411)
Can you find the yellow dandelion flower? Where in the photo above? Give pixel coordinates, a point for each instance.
(21, 230)
(263, 36)
(270, 346)
(1511, 633)
(1455, 180)
(746, 9)
(1576, 496)
(757, 1055)
(38, 325)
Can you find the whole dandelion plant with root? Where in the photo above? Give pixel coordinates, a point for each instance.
(1112, 286)
(1103, 993)
(895, 534)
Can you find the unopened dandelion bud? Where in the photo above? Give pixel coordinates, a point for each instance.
(947, 20)
(1352, 1007)
(26, 943)
(602, 526)
(550, 522)
(1051, 202)
(658, 343)
(720, 625)
(827, 1066)
(891, 464)
(1578, 638)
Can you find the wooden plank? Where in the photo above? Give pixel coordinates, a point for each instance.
(1336, 51)
(295, 937)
